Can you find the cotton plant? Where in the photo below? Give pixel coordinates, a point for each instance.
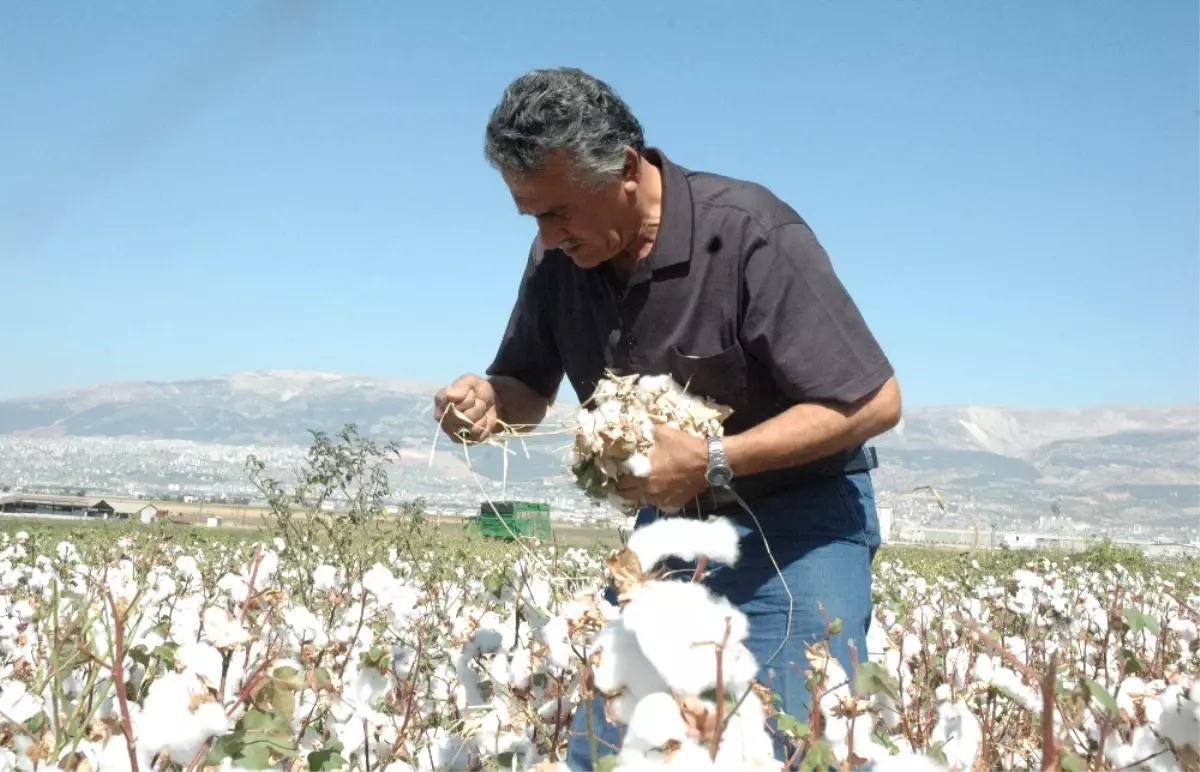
(674, 671)
(671, 661)
(150, 653)
(614, 433)
(209, 660)
(986, 656)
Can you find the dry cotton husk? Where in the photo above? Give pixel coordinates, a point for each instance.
(615, 431)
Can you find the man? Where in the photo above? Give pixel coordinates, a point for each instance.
(642, 266)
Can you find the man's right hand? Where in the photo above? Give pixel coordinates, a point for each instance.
(467, 404)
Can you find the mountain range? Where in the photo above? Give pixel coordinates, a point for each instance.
(1107, 452)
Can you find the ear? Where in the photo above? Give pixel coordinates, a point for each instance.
(631, 175)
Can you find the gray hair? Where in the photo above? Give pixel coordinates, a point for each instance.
(562, 108)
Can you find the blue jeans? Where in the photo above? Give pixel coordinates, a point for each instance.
(824, 537)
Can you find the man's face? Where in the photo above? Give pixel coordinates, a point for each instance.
(591, 225)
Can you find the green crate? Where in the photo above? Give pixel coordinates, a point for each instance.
(502, 519)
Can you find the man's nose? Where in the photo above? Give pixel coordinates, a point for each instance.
(551, 235)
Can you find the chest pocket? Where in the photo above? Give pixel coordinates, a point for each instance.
(720, 376)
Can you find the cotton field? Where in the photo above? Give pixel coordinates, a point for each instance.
(141, 653)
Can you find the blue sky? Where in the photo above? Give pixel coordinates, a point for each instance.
(1009, 189)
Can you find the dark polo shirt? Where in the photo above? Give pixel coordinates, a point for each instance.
(737, 299)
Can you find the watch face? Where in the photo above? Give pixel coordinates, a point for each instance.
(720, 476)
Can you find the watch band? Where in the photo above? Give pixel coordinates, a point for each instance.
(718, 464)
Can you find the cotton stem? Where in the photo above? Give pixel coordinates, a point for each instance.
(716, 738)
(118, 674)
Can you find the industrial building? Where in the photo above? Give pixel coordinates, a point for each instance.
(53, 505)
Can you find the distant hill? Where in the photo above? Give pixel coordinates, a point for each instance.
(1161, 443)
(1115, 466)
(256, 407)
(1116, 452)
(274, 407)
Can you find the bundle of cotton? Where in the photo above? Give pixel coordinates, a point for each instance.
(615, 436)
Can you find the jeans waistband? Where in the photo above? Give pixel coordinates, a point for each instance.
(756, 487)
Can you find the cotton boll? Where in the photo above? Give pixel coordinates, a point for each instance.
(325, 578)
(907, 762)
(188, 568)
(67, 552)
(1130, 688)
(637, 465)
(22, 611)
(201, 660)
(365, 688)
(445, 753)
(690, 756)
(349, 731)
(467, 689)
(745, 737)
(498, 669)
(656, 721)
(957, 662)
(586, 422)
(222, 630)
(236, 586)
(554, 635)
(1180, 716)
(378, 580)
(842, 734)
(304, 627)
(520, 668)
(685, 538)
(984, 668)
(1009, 681)
(17, 705)
(622, 663)
(678, 626)
(960, 731)
(1143, 744)
(910, 647)
(649, 387)
(268, 565)
(169, 722)
(485, 641)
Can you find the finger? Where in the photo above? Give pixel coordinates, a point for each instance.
(456, 393)
(469, 427)
(448, 396)
(481, 427)
(627, 483)
(472, 413)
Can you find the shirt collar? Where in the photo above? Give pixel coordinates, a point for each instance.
(673, 245)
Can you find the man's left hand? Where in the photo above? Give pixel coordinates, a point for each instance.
(678, 471)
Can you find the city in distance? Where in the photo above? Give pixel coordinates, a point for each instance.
(1117, 471)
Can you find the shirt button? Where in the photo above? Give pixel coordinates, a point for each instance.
(632, 340)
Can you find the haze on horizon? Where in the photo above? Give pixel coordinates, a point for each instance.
(1009, 190)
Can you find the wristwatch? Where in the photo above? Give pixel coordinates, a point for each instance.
(719, 473)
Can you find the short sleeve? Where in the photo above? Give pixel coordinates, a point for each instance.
(527, 350)
(801, 323)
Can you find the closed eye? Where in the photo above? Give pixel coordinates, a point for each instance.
(552, 214)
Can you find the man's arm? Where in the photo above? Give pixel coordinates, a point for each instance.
(813, 430)
(802, 324)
